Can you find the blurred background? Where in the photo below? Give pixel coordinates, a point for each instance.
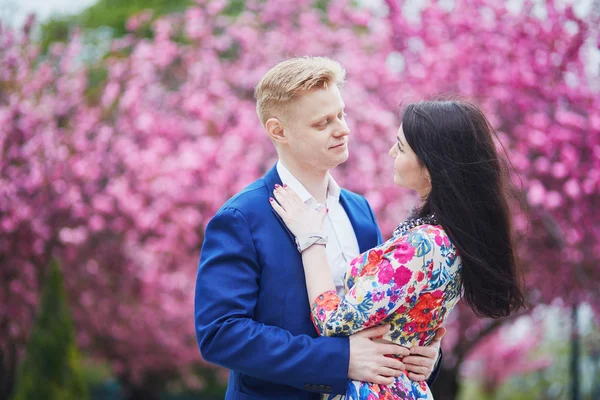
(125, 125)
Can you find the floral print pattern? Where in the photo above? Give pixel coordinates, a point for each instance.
(411, 282)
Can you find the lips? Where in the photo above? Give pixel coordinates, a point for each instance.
(338, 146)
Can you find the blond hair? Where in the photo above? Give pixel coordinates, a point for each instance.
(289, 79)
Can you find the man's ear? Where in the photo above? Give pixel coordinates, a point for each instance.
(275, 130)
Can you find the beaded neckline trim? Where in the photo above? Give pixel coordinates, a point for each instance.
(410, 223)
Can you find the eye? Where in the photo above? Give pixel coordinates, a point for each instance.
(322, 125)
(342, 115)
(399, 148)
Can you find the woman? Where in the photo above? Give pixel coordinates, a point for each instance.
(458, 242)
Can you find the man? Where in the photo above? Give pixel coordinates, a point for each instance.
(252, 313)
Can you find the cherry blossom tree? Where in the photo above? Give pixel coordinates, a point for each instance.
(118, 182)
(527, 67)
(115, 168)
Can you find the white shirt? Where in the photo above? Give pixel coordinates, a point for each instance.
(342, 246)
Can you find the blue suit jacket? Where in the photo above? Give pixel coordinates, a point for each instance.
(252, 312)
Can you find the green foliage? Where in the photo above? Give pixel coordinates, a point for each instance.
(552, 383)
(114, 13)
(235, 7)
(108, 13)
(55, 30)
(322, 4)
(213, 386)
(51, 369)
(96, 78)
(95, 372)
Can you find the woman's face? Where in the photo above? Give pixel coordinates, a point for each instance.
(408, 172)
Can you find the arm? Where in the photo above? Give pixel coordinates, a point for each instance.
(420, 363)
(227, 288)
(302, 221)
(358, 310)
(379, 277)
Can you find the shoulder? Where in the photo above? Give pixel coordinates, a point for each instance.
(249, 201)
(420, 240)
(352, 196)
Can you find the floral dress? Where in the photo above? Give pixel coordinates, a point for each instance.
(411, 282)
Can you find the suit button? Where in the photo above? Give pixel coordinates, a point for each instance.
(328, 388)
(307, 386)
(321, 388)
(315, 387)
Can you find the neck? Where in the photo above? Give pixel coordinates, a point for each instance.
(315, 181)
(424, 193)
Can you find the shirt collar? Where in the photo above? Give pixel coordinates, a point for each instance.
(333, 189)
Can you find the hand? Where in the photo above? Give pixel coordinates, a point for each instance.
(422, 359)
(368, 361)
(297, 216)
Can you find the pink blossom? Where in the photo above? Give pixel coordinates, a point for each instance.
(404, 252)
(386, 272)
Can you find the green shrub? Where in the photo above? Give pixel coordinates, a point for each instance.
(51, 369)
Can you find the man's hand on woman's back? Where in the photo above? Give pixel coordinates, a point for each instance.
(370, 359)
(423, 359)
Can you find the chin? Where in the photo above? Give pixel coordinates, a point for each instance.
(398, 181)
(342, 158)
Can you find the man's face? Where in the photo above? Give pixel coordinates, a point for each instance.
(316, 130)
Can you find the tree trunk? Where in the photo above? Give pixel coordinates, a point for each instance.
(8, 366)
(575, 389)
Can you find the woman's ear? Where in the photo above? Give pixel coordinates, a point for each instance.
(275, 130)
(425, 174)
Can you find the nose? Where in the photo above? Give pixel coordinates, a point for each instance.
(392, 152)
(342, 130)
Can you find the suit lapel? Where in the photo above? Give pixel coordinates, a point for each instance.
(271, 178)
(350, 206)
(352, 211)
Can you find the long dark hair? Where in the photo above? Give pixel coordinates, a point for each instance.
(469, 189)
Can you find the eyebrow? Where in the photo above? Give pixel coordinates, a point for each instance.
(400, 141)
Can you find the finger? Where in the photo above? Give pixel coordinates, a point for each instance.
(417, 360)
(292, 193)
(428, 352)
(403, 351)
(383, 380)
(389, 372)
(277, 207)
(292, 202)
(416, 377)
(374, 332)
(282, 199)
(439, 334)
(393, 349)
(418, 370)
(394, 364)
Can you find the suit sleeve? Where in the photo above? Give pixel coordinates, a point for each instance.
(436, 370)
(227, 289)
